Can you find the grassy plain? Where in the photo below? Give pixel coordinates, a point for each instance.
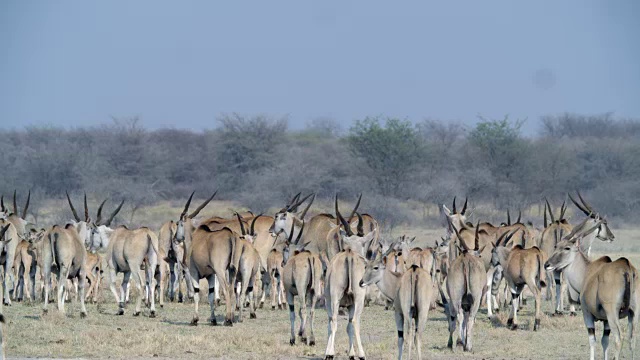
(104, 335)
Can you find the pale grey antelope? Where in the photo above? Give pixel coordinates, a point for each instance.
(412, 293)
(126, 252)
(64, 252)
(341, 286)
(302, 277)
(606, 290)
(11, 241)
(465, 283)
(3, 231)
(602, 232)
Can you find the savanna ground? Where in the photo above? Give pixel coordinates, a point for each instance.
(104, 335)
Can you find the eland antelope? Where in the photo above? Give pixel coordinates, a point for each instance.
(302, 276)
(65, 252)
(465, 284)
(520, 267)
(211, 255)
(412, 293)
(549, 237)
(10, 241)
(606, 290)
(341, 285)
(126, 251)
(171, 238)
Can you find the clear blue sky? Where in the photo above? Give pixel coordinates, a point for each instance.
(182, 63)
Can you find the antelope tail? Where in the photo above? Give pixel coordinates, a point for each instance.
(629, 287)
(232, 255)
(541, 272)
(312, 272)
(413, 302)
(154, 244)
(349, 273)
(467, 298)
(52, 240)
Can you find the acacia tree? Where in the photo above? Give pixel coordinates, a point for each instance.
(392, 152)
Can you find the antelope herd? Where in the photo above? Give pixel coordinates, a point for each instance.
(327, 258)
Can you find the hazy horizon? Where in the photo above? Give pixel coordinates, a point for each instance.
(181, 65)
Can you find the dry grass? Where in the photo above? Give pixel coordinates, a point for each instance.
(105, 335)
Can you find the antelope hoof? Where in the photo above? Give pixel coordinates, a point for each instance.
(252, 316)
(573, 313)
(161, 306)
(312, 343)
(558, 313)
(137, 313)
(194, 322)
(292, 342)
(120, 311)
(536, 325)
(213, 322)
(152, 314)
(304, 340)
(450, 344)
(7, 304)
(514, 327)
(45, 311)
(262, 305)
(83, 315)
(328, 357)
(273, 307)
(352, 358)
(228, 322)
(510, 322)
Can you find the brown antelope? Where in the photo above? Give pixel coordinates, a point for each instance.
(275, 268)
(549, 237)
(246, 260)
(465, 282)
(10, 245)
(302, 276)
(170, 242)
(520, 267)
(605, 289)
(93, 269)
(64, 251)
(25, 266)
(341, 289)
(412, 293)
(487, 234)
(211, 254)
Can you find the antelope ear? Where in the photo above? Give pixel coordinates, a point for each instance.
(384, 260)
(446, 209)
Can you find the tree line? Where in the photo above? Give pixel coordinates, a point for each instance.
(259, 161)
